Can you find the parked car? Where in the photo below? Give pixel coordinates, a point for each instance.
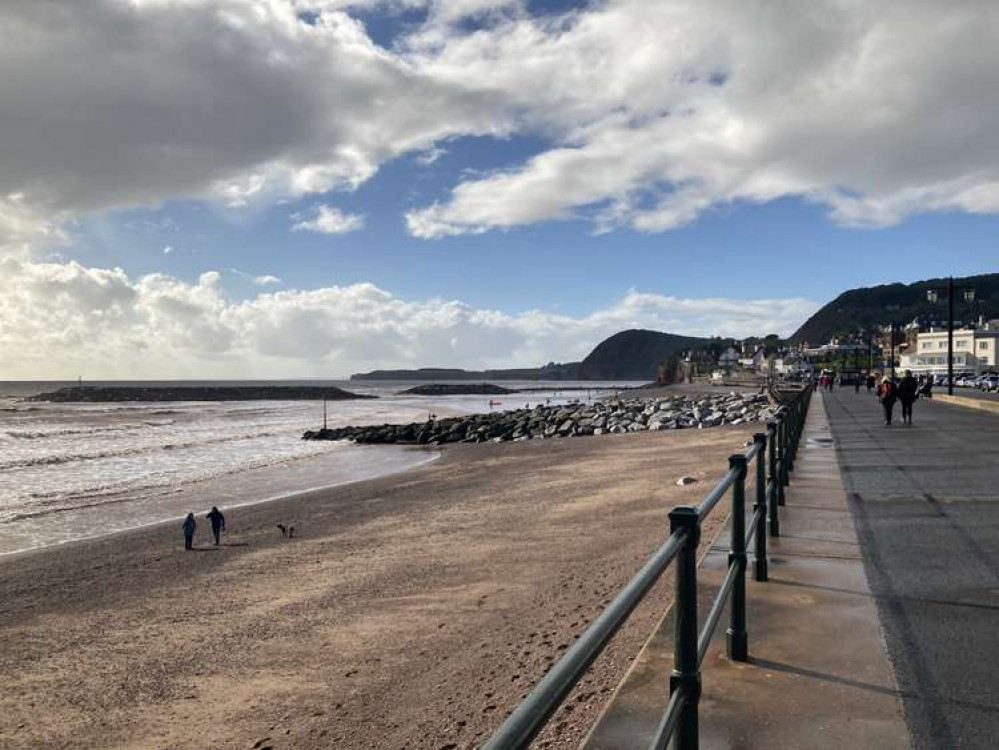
(989, 382)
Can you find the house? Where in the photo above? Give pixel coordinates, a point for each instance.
(756, 361)
(729, 357)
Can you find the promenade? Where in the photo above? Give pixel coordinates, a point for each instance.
(926, 503)
(818, 674)
(879, 627)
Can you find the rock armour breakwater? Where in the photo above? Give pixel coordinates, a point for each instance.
(102, 394)
(457, 389)
(602, 417)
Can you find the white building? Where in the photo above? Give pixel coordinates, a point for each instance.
(790, 364)
(975, 351)
(756, 361)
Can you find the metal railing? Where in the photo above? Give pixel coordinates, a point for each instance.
(774, 453)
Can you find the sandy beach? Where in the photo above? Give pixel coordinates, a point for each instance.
(412, 611)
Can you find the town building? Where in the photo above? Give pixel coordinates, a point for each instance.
(975, 351)
(729, 357)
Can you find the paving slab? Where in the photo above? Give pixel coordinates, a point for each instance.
(926, 501)
(819, 675)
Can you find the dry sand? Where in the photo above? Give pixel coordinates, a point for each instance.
(414, 611)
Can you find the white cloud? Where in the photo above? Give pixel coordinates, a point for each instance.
(659, 111)
(236, 100)
(655, 112)
(329, 220)
(64, 317)
(266, 280)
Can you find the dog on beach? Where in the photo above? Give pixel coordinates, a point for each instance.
(287, 531)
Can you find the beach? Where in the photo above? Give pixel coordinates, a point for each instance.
(410, 611)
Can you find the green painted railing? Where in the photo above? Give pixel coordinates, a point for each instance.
(773, 452)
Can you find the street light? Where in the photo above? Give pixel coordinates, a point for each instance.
(933, 295)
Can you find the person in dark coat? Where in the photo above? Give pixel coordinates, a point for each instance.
(927, 390)
(908, 392)
(189, 526)
(218, 522)
(870, 382)
(887, 394)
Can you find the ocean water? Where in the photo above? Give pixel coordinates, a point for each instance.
(76, 471)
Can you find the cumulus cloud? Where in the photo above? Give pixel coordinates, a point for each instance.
(329, 220)
(62, 317)
(654, 112)
(659, 111)
(234, 100)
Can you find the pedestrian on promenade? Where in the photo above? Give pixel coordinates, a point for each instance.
(856, 384)
(189, 526)
(908, 392)
(887, 394)
(927, 389)
(218, 523)
(870, 382)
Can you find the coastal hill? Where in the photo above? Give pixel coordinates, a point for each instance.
(634, 354)
(629, 355)
(873, 306)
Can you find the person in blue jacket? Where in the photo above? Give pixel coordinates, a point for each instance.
(189, 526)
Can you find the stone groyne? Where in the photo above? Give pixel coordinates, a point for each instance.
(94, 394)
(457, 389)
(598, 418)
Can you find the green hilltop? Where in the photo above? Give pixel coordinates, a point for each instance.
(869, 307)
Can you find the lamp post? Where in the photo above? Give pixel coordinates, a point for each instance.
(891, 333)
(969, 296)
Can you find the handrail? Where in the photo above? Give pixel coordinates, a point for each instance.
(534, 711)
(773, 452)
(711, 500)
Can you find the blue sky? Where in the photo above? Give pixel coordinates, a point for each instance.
(316, 187)
(786, 247)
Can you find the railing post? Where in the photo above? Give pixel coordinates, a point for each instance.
(686, 675)
(737, 639)
(774, 479)
(792, 438)
(781, 455)
(760, 566)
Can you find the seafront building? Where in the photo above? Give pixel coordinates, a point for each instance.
(975, 350)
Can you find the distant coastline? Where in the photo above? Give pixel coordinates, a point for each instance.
(103, 394)
(568, 371)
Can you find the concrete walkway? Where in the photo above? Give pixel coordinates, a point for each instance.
(819, 675)
(926, 501)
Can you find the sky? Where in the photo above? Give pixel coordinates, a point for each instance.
(312, 188)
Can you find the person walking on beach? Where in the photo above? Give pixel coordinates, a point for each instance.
(218, 523)
(189, 526)
(908, 392)
(887, 394)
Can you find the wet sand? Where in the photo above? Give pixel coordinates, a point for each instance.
(412, 611)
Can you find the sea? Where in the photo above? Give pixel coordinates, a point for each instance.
(77, 471)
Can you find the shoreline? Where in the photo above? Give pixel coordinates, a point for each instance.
(286, 495)
(409, 611)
